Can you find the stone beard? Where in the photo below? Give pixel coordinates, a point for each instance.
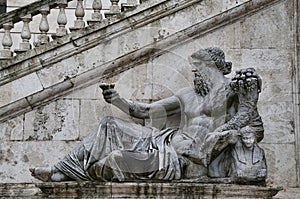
(201, 86)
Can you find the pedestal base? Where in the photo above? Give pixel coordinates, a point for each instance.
(154, 190)
(6, 54)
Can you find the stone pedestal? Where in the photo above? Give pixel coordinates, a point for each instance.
(19, 190)
(6, 54)
(153, 190)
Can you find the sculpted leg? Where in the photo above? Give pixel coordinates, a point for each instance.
(48, 174)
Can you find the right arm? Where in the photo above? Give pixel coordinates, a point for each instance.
(161, 108)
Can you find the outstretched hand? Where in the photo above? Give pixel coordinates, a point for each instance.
(109, 93)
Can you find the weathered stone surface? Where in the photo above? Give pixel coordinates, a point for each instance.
(92, 92)
(270, 29)
(12, 129)
(91, 113)
(227, 4)
(155, 190)
(171, 72)
(140, 190)
(278, 122)
(21, 190)
(56, 121)
(135, 83)
(281, 164)
(58, 73)
(19, 88)
(290, 193)
(18, 157)
(42, 98)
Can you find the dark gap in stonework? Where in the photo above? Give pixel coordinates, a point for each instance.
(3, 6)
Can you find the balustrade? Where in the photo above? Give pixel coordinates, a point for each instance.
(43, 9)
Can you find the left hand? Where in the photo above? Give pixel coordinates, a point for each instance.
(246, 83)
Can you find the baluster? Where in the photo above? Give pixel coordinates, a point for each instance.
(7, 42)
(96, 16)
(79, 13)
(61, 20)
(44, 27)
(114, 10)
(25, 35)
(131, 4)
(114, 6)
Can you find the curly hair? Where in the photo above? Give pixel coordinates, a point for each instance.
(218, 56)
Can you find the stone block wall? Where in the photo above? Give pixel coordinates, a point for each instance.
(264, 40)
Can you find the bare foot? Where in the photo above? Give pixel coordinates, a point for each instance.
(59, 177)
(42, 173)
(48, 174)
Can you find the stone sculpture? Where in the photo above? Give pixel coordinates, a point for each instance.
(243, 160)
(213, 113)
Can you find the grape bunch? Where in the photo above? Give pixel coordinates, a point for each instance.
(246, 80)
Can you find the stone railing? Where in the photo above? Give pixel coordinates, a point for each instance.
(43, 8)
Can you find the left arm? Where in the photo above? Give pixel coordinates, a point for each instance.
(247, 89)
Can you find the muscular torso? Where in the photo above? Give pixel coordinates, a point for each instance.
(202, 114)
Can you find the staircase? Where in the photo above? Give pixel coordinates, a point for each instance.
(64, 53)
(117, 38)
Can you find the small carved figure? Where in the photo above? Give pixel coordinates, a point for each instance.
(122, 151)
(249, 163)
(244, 161)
